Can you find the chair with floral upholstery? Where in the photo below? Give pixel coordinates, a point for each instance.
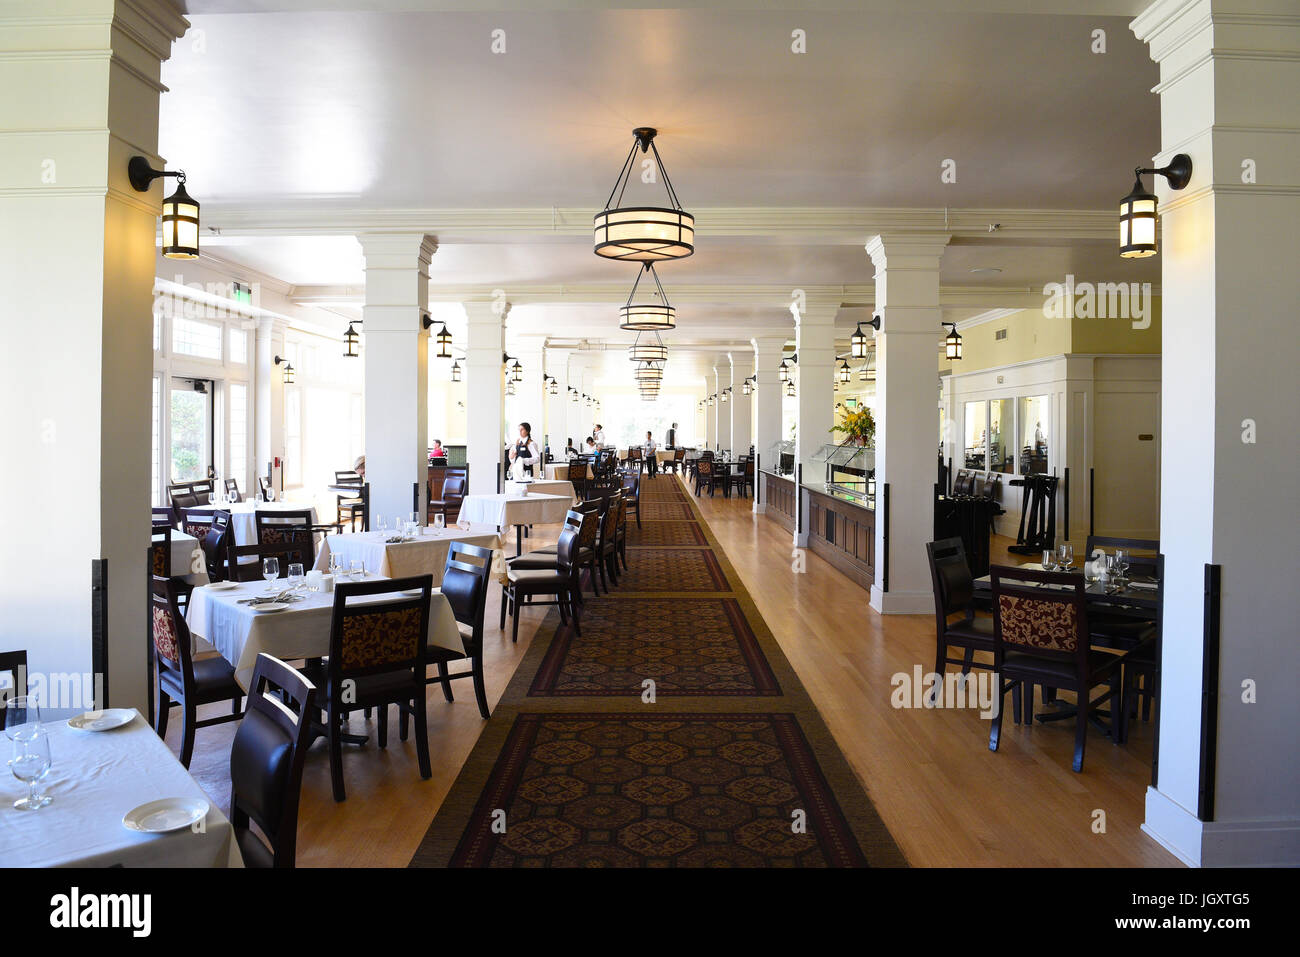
(181, 679)
(281, 527)
(1040, 637)
(377, 658)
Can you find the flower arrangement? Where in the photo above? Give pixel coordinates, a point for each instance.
(859, 427)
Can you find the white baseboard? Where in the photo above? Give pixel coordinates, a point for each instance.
(1220, 843)
(902, 602)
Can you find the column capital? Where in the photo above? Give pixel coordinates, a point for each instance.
(765, 345)
(907, 250)
(389, 250)
(271, 326)
(486, 310)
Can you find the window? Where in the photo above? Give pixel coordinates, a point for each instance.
(292, 437)
(975, 439)
(238, 345)
(194, 337)
(156, 487)
(238, 452)
(1002, 453)
(1034, 422)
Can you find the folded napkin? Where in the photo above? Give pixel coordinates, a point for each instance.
(285, 597)
(1147, 586)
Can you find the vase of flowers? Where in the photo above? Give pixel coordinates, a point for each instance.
(859, 427)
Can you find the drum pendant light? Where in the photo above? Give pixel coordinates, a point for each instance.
(643, 233)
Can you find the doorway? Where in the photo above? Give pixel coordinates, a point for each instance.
(191, 428)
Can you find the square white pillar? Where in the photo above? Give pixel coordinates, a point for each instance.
(485, 393)
(767, 405)
(814, 391)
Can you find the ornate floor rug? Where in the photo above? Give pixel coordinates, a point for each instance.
(671, 733)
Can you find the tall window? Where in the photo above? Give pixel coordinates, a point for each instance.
(156, 488)
(975, 440)
(238, 452)
(1034, 424)
(194, 337)
(238, 344)
(292, 437)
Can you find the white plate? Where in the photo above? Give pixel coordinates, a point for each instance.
(105, 720)
(269, 606)
(167, 814)
(222, 586)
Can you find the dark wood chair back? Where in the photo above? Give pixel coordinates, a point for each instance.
(263, 486)
(347, 477)
(566, 550)
(13, 663)
(453, 490)
(280, 527)
(577, 471)
(266, 761)
(369, 636)
(1143, 552)
(465, 577)
(160, 551)
(232, 489)
(197, 522)
(287, 553)
(163, 515)
(1047, 622)
(170, 634)
(704, 467)
(954, 586)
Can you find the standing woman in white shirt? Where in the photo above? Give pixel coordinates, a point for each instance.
(525, 449)
(599, 436)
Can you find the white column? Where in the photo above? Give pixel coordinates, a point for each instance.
(907, 344)
(767, 404)
(78, 265)
(397, 371)
(815, 391)
(485, 393)
(268, 403)
(529, 400)
(1228, 485)
(741, 405)
(722, 379)
(558, 421)
(710, 412)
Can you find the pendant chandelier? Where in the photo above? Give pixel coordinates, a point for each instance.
(711, 398)
(651, 349)
(516, 372)
(649, 372)
(643, 233)
(648, 316)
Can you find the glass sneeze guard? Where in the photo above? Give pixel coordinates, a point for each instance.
(850, 471)
(779, 459)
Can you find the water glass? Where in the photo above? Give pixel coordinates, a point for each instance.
(296, 575)
(1121, 561)
(1049, 560)
(260, 497)
(270, 571)
(440, 521)
(358, 569)
(1065, 556)
(335, 565)
(383, 523)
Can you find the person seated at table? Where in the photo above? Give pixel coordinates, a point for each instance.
(359, 466)
(651, 463)
(437, 452)
(570, 450)
(525, 449)
(670, 440)
(591, 446)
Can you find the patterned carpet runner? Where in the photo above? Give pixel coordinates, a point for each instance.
(671, 733)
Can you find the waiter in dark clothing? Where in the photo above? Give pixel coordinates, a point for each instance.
(525, 449)
(670, 441)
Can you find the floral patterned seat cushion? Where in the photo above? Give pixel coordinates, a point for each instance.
(1035, 623)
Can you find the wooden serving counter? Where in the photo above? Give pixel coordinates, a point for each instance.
(779, 498)
(842, 530)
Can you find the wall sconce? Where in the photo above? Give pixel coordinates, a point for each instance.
(180, 212)
(443, 338)
(574, 393)
(845, 372)
(725, 393)
(288, 369)
(510, 388)
(1137, 210)
(789, 388)
(351, 342)
(858, 341)
(555, 386)
(871, 484)
(952, 344)
(747, 387)
(455, 371)
(783, 371)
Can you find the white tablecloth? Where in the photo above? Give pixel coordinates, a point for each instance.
(303, 631)
(425, 554)
(561, 487)
(95, 778)
(503, 510)
(245, 525)
(185, 562)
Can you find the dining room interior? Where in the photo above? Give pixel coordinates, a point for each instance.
(806, 428)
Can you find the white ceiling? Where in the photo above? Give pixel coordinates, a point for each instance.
(340, 110)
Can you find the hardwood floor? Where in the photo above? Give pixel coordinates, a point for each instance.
(946, 798)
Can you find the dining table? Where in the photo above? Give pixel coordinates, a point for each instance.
(222, 617)
(187, 559)
(95, 779)
(503, 509)
(1136, 597)
(243, 515)
(393, 556)
(543, 487)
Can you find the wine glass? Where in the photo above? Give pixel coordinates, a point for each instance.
(383, 524)
(1065, 556)
(1049, 560)
(270, 571)
(270, 494)
(297, 577)
(31, 749)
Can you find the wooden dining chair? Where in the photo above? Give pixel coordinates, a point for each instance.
(182, 679)
(449, 499)
(578, 475)
(584, 518)
(522, 585)
(705, 476)
(13, 663)
(465, 577)
(239, 569)
(266, 761)
(620, 530)
(607, 545)
(163, 515)
(1040, 637)
(742, 479)
(160, 551)
(677, 462)
(281, 526)
(956, 623)
(232, 490)
(377, 658)
(1127, 629)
